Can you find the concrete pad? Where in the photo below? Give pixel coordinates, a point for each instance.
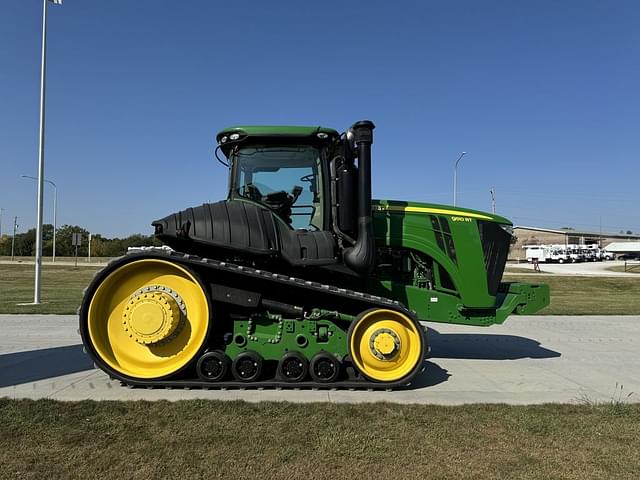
(528, 360)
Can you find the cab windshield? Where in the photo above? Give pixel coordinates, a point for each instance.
(286, 179)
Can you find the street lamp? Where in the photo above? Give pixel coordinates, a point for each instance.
(455, 178)
(55, 211)
(43, 76)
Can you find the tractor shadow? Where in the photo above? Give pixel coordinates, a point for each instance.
(481, 346)
(475, 346)
(24, 367)
(432, 375)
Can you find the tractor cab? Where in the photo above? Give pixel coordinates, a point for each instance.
(307, 176)
(286, 179)
(294, 193)
(282, 168)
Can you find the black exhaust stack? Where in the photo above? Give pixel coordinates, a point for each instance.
(361, 256)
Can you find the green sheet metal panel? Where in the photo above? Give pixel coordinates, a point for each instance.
(409, 225)
(416, 226)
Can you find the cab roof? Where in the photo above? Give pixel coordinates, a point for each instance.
(274, 134)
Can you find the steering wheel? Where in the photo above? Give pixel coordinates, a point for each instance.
(307, 178)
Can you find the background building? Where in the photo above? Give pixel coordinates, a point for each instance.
(539, 236)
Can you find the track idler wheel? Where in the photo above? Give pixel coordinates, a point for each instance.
(293, 367)
(213, 366)
(324, 368)
(385, 345)
(247, 366)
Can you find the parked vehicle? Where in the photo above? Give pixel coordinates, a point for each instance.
(560, 254)
(570, 253)
(589, 254)
(607, 255)
(546, 254)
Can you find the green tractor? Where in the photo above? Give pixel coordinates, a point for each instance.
(298, 278)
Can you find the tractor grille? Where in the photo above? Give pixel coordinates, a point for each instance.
(495, 246)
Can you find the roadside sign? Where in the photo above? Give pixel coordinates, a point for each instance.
(76, 241)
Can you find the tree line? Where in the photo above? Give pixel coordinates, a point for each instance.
(25, 243)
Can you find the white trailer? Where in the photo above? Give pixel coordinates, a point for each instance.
(546, 254)
(536, 253)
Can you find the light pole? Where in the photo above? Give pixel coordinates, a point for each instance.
(55, 211)
(1, 210)
(43, 76)
(455, 178)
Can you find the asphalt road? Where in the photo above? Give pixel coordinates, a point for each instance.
(528, 360)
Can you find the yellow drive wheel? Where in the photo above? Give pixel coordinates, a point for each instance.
(148, 318)
(385, 345)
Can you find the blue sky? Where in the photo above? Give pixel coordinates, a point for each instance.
(543, 96)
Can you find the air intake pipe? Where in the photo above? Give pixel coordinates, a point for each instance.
(361, 256)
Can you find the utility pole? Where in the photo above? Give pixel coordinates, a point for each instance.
(600, 239)
(13, 240)
(493, 199)
(89, 254)
(1, 210)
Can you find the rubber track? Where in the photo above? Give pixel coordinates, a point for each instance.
(368, 301)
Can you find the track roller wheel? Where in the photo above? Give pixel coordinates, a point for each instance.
(247, 366)
(293, 367)
(385, 345)
(324, 368)
(146, 319)
(213, 366)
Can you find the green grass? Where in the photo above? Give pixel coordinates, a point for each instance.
(207, 439)
(631, 268)
(82, 261)
(62, 288)
(574, 295)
